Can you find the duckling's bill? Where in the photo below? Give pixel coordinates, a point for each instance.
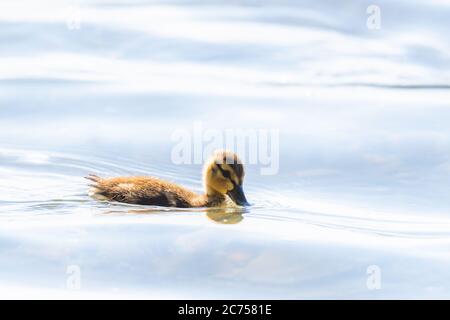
(238, 196)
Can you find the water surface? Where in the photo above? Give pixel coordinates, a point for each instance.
(364, 147)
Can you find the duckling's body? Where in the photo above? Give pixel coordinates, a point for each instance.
(223, 176)
(150, 191)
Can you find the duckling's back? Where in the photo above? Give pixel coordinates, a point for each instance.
(144, 191)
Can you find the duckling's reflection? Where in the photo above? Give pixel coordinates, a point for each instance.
(226, 215)
(219, 215)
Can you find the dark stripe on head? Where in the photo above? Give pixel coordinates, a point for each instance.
(226, 174)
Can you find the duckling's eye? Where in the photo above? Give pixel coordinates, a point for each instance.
(226, 174)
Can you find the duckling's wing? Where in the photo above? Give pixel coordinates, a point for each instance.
(141, 190)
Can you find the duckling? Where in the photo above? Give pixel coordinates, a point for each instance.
(223, 177)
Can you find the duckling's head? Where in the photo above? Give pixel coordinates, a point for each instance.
(224, 174)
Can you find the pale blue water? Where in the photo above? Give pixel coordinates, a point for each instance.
(363, 117)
